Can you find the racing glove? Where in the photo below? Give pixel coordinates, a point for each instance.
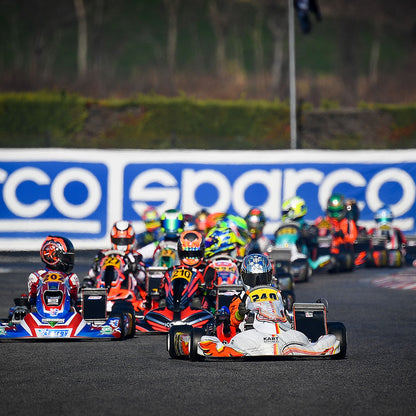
(242, 311)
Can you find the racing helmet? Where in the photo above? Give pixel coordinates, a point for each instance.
(384, 217)
(58, 253)
(294, 209)
(191, 248)
(336, 207)
(219, 240)
(214, 219)
(172, 223)
(122, 236)
(255, 220)
(239, 226)
(201, 221)
(256, 270)
(151, 219)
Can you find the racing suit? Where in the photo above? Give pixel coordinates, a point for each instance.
(344, 234)
(258, 245)
(147, 237)
(34, 279)
(235, 317)
(207, 279)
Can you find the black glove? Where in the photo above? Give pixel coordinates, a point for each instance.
(339, 234)
(242, 310)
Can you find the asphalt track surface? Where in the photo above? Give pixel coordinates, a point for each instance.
(137, 377)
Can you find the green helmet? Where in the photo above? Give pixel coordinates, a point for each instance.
(239, 226)
(172, 223)
(336, 207)
(294, 209)
(220, 240)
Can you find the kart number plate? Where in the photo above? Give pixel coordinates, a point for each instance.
(112, 261)
(182, 274)
(263, 295)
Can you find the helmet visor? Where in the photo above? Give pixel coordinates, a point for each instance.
(257, 279)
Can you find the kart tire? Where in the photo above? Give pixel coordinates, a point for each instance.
(196, 336)
(170, 339)
(127, 309)
(338, 329)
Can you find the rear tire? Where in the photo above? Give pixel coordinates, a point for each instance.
(338, 329)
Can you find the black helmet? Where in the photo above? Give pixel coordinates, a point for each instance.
(58, 253)
(256, 270)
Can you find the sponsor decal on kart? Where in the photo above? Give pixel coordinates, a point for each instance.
(271, 339)
(52, 333)
(106, 329)
(53, 322)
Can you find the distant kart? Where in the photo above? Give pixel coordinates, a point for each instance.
(119, 284)
(53, 317)
(260, 336)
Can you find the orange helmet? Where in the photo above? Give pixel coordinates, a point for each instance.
(191, 248)
(213, 219)
(122, 236)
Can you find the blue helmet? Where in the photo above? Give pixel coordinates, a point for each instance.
(256, 270)
(384, 216)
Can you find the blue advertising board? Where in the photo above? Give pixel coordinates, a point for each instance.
(80, 194)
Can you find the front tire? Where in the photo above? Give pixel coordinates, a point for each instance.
(128, 312)
(338, 329)
(196, 335)
(172, 340)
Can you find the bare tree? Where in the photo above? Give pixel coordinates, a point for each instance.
(219, 21)
(172, 7)
(277, 23)
(82, 37)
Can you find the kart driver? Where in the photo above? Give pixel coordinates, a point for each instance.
(256, 270)
(122, 239)
(151, 221)
(256, 273)
(256, 220)
(191, 249)
(57, 253)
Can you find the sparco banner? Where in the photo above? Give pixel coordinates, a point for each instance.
(80, 193)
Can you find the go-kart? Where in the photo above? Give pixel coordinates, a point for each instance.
(53, 316)
(118, 283)
(266, 332)
(178, 304)
(227, 270)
